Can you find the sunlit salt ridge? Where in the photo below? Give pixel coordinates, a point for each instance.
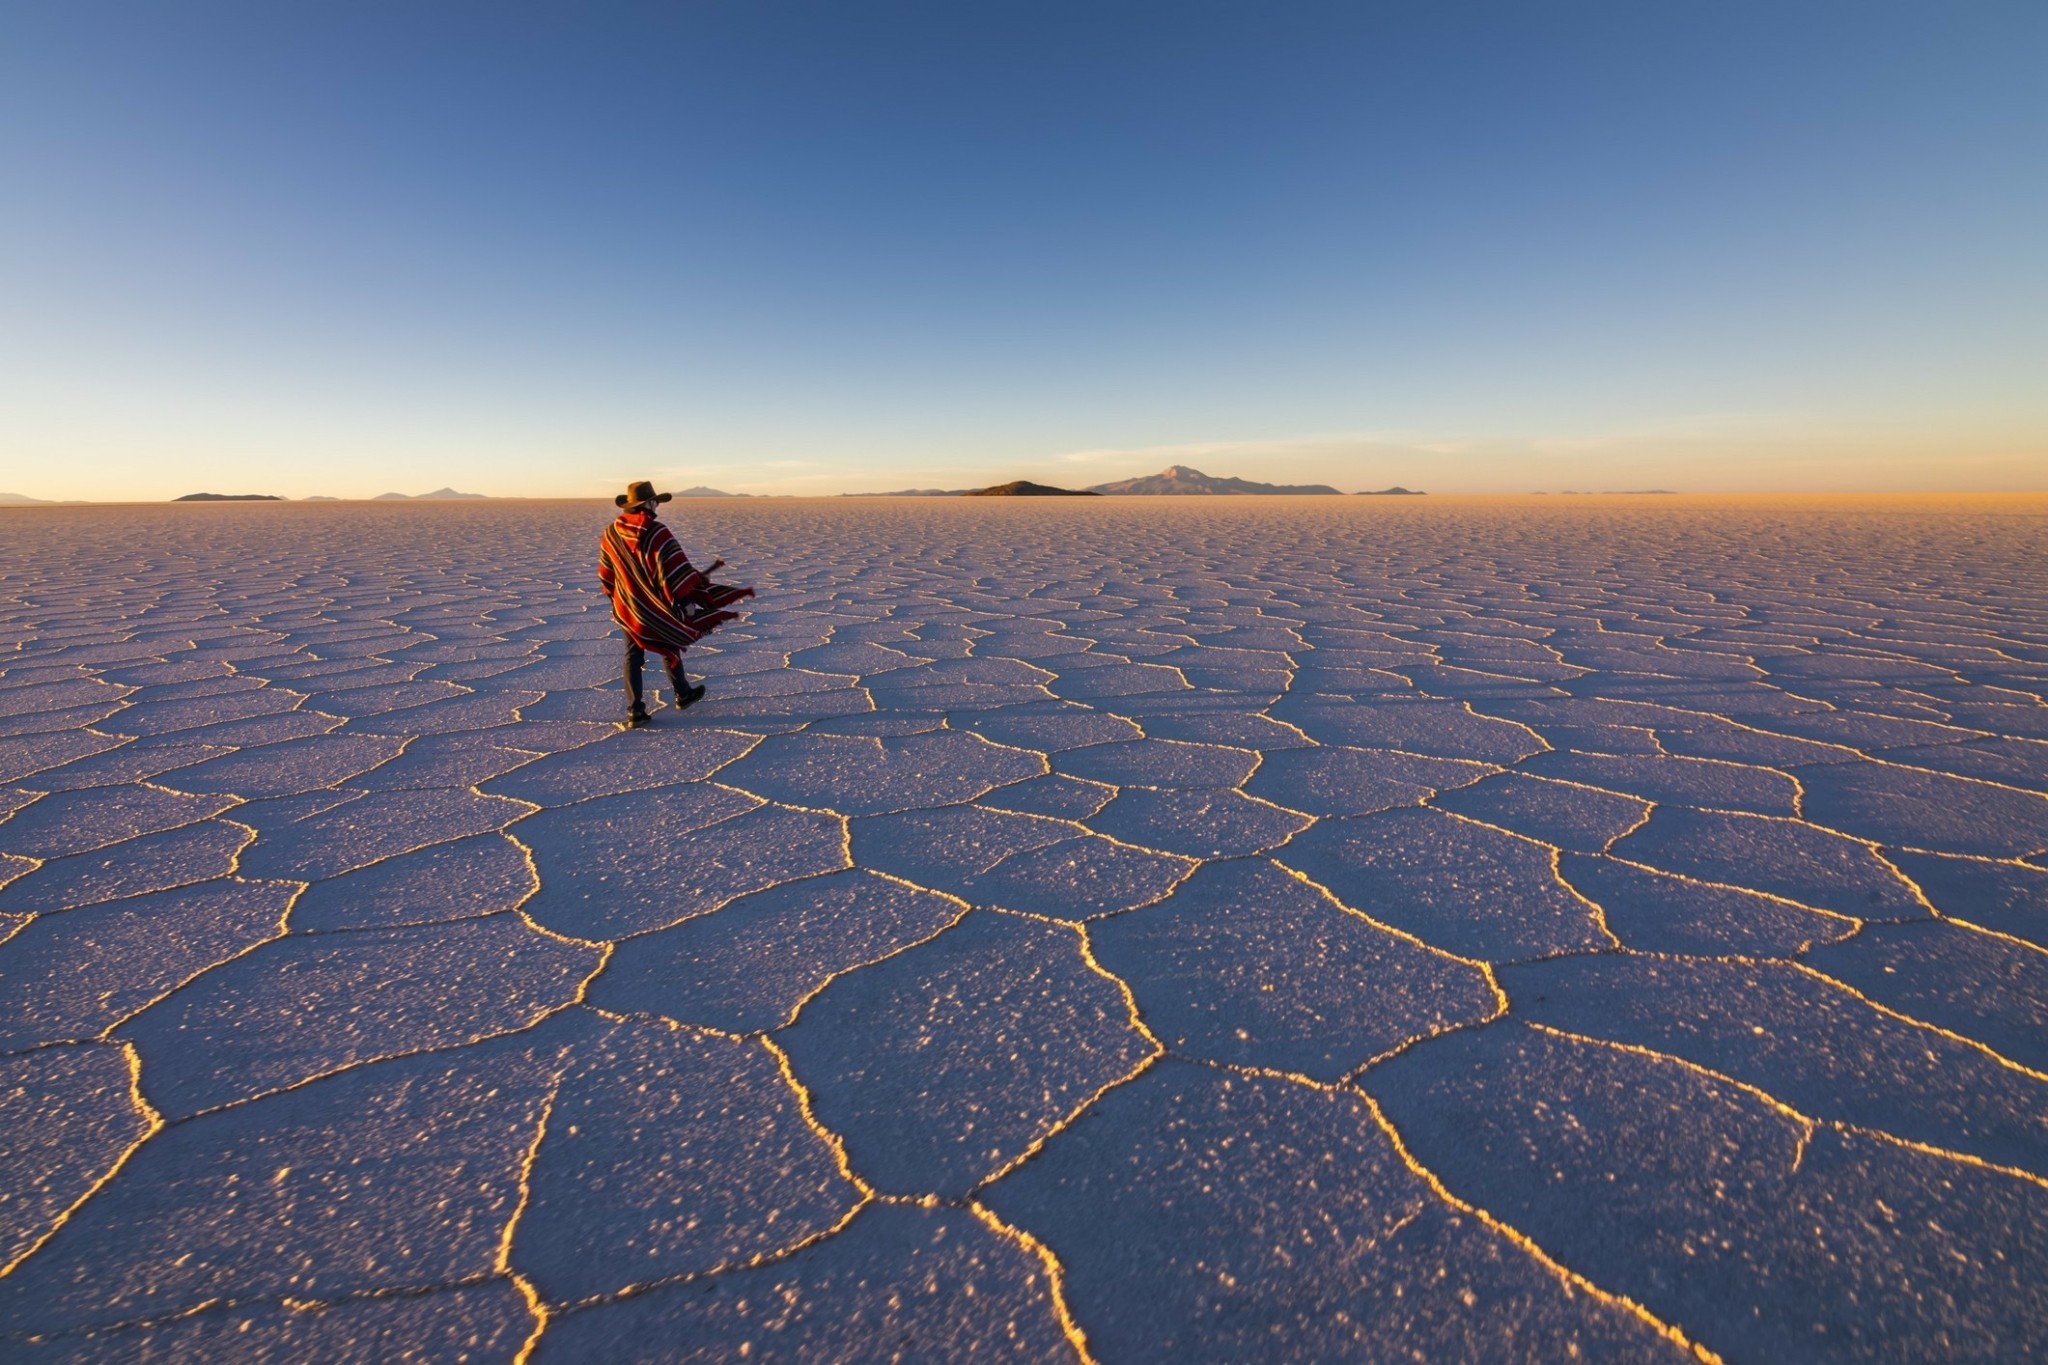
(1119, 929)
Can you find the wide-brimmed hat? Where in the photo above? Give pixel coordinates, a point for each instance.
(638, 492)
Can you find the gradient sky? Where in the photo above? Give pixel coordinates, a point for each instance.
(537, 249)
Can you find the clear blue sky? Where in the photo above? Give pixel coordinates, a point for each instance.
(537, 249)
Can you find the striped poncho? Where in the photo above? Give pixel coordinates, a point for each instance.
(664, 602)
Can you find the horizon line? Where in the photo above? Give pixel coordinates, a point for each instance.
(941, 496)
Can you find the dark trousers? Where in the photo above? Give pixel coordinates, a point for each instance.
(636, 657)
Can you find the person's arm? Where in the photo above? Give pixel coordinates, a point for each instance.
(678, 575)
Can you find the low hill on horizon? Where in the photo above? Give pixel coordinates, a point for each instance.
(416, 497)
(1395, 492)
(1180, 480)
(1024, 488)
(228, 497)
(913, 493)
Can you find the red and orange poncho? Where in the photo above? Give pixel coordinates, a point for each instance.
(664, 603)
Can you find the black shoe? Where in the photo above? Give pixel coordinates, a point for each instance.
(636, 718)
(689, 696)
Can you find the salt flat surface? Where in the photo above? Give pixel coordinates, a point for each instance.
(1302, 929)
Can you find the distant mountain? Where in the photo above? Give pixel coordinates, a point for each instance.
(1395, 492)
(1024, 488)
(23, 500)
(700, 491)
(1179, 479)
(913, 493)
(229, 497)
(442, 493)
(318, 497)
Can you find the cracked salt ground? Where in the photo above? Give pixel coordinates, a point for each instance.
(898, 1282)
(1202, 1215)
(1705, 1200)
(1269, 929)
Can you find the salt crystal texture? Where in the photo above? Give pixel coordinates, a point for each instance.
(1449, 929)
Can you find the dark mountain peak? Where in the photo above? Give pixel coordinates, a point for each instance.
(1179, 479)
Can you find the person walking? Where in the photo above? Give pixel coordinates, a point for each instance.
(662, 602)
